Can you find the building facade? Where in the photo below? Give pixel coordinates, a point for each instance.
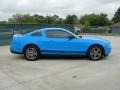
(115, 28)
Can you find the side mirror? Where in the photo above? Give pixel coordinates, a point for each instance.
(70, 37)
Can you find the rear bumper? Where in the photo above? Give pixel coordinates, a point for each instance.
(14, 52)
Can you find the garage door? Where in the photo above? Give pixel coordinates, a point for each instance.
(116, 30)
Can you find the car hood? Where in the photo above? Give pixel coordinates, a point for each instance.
(94, 38)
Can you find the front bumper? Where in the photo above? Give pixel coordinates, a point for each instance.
(108, 50)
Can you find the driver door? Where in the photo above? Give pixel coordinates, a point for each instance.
(59, 41)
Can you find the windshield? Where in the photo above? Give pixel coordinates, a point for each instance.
(74, 34)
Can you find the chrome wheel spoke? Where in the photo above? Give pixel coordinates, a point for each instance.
(95, 53)
(31, 53)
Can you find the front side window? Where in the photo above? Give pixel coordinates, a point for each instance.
(57, 34)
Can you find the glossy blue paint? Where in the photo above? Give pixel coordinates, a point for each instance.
(58, 46)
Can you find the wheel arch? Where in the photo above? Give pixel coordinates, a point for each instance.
(30, 45)
(95, 45)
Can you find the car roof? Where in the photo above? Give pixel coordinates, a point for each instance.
(44, 29)
(52, 29)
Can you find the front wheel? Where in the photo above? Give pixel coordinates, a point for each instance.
(95, 53)
(31, 53)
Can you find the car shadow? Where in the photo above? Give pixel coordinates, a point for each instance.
(63, 57)
(49, 57)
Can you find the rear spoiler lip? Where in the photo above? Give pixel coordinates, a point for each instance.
(17, 35)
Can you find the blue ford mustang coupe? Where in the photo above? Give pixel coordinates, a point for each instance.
(58, 41)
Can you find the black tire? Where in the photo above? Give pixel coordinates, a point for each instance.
(31, 53)
(95, 53)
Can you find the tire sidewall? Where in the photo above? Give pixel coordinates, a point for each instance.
(36, 50)
(90, 51)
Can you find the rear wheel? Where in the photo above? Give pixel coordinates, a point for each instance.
(95, 53)
(31, 53)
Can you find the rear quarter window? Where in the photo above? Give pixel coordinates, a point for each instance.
(36, 34)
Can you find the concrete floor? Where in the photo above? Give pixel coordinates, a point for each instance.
(16, 73)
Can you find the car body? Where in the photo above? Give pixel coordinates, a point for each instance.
(58, 41)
